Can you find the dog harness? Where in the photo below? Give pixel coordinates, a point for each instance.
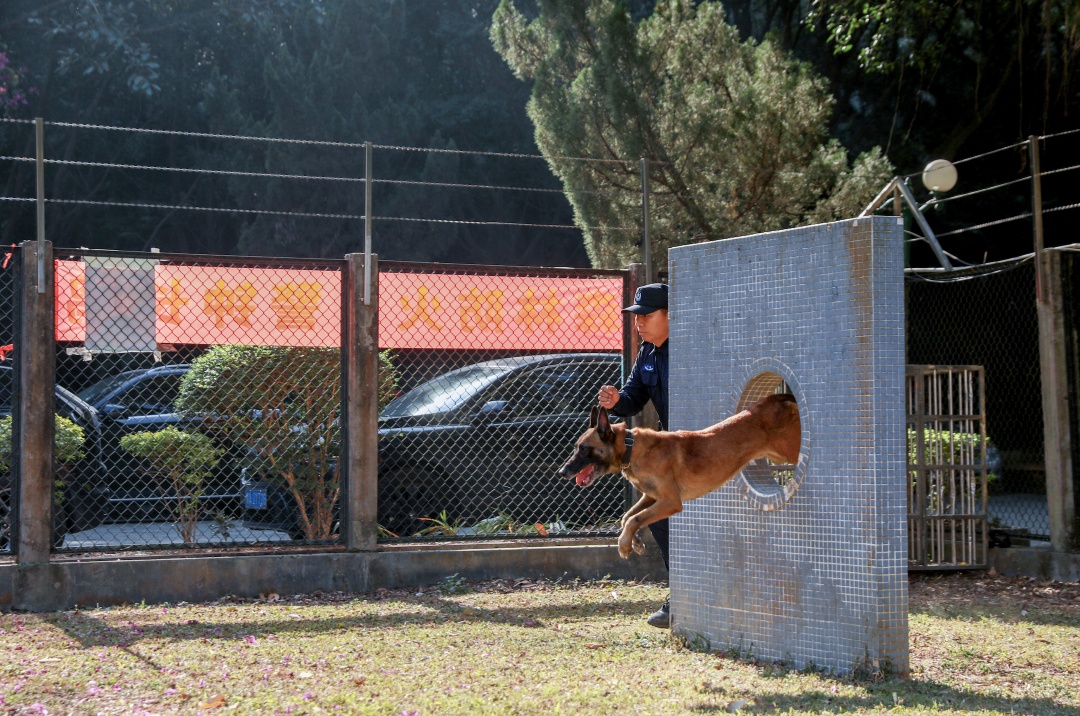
(629, 442)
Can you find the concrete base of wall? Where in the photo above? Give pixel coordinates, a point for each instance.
(1037, 562)
(63, 584)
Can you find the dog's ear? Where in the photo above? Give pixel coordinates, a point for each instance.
(603, 425)
(594, 416)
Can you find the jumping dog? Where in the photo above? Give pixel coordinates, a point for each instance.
(669, 468)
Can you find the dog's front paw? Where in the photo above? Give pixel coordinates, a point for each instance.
(638, 545)
(625, 547)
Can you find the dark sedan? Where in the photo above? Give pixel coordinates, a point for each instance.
(486, 440)
(80, 497)
(483, 441)
(144, 400)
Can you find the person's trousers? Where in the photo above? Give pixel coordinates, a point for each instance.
(659, 531)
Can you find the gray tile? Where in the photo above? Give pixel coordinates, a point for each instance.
(814, 571)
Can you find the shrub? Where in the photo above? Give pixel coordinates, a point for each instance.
(282, 406)
(67, 445)
(949, 445)
(181, 462)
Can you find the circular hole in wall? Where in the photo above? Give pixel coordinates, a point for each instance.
(769, 483)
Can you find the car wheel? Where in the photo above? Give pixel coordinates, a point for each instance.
(59, 524)
(407, 495)
(5, 517)
(84, 510)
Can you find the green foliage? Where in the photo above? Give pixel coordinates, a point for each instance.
(948, 447)
(392, 72)
(441, 525)
(67, 443)
(182, 462)
(454, 584)
(737, 131)
(282, 406)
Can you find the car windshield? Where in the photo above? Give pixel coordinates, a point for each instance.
(445, 393)
(98, 390)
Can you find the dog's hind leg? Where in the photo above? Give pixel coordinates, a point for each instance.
(629, 539)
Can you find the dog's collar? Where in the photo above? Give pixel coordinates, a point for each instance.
(629, 442)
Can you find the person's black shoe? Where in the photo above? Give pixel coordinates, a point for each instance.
(661, 618)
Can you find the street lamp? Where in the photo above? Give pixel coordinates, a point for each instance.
(939, 175)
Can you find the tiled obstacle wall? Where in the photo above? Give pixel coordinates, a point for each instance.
(807, 565)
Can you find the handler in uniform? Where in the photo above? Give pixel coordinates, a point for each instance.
(648, 381)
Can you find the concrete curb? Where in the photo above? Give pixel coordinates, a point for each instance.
(63, 584)
(1036, 562)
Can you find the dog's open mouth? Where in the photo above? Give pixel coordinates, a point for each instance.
(585, 477)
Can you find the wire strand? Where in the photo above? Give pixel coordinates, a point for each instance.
(463, 222)
(942, 200)
(1025, 215)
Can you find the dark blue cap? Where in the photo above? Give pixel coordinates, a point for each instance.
(648, 298)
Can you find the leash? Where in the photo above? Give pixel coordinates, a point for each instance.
(629, 442)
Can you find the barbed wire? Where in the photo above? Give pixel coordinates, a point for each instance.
(1052, 209)
(941, 200)
(149, 205)
(1058, 171)
(972, 158)
(505, 223)
(319, 142)
(180, 207)
(1059, 134)
(511, 155)
(184, 170)
(968, 273)
(271, 175)
(1025, 215)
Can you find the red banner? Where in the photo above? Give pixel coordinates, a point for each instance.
(499, 312)
(247, 306)
(201, 305)
(70, 290)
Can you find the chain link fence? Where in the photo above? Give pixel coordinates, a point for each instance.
(7, 343)
(199, 400)
(493, 373)
(205, 395)
(987, 317)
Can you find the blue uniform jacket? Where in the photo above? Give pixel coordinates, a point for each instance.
(648, 381)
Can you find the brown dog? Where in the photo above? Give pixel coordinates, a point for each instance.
(669, 468)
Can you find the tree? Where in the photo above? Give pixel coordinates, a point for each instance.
(281, 406)
(394, 72)
(736, 131)
(951, 69)
(953, 80)
(135, 64)
(404, 74)
(181, 461)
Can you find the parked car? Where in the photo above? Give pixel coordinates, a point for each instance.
(81, 497)
(144, 400)
(481, 441)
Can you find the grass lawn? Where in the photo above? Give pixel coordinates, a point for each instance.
(980, 644)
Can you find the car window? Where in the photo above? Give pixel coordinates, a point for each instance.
(99, 390)
(550, 390)
(444, 393)
(152, 396)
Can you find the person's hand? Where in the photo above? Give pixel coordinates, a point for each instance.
(609, 396)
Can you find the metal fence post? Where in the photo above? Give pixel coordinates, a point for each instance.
(33, 404)
(360, 437)
(646, 249)
(1053, 372)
